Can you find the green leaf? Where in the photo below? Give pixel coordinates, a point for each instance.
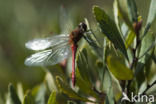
(145, 51)
(148, 70)
(57, 70)
(129, 14)
(110, 95)
(50, 81)
(144, 57)
(148, 49)
(102, 65)
(117, 90)
(132, 10)
(20, 91)
(147, 42)
(110, 99)
(130, 38)
(87, 23)
(109, 28)
(154, 56)
(123, 9)
(12, 96)
(57, 98)
(68, 91)
(119, 70)
(124, 29)
(92, 40)
(87, 89)
(28, 98)
(51, 77)
(128, 11)
(116, 16)
(93, 43)
(111, 83)
(40, 96)
(52, 98)
(82, 64)
(107, 81)
(151, 16)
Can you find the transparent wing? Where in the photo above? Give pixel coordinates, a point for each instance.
(49, 57)
(44, 43)
(65, 21)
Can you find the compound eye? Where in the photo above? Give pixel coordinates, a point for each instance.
(83, 26)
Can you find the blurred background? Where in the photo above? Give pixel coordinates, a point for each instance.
(23, 20)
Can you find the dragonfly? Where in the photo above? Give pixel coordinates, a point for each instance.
(55, 49)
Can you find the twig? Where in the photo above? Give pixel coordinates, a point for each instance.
(137, 27)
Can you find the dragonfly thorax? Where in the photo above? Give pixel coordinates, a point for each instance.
(77, 34)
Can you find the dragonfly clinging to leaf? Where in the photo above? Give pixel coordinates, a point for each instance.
(56, 48)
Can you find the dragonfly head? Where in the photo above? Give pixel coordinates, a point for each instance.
(83, 27)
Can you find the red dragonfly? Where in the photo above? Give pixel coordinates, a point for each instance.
(57, 48)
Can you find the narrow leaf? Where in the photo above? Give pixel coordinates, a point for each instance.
(107, 81)
(130, 38)
(132, 10)
(119, 70)
(145, 55)
(151, 16)
(154, 56)
(116, 16)
(12, 96)
(57, 98)
(20, 91)
(28, 98)
(68, 91)
(117, 90)
(40, 97)
(52, 98)
(50, 81)
(123, 9)
(87, 89)
(111, 83)
(92, 40)
(109, 28)
(124, 29)
(82, 64)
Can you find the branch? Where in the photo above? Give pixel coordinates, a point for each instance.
(137, 27)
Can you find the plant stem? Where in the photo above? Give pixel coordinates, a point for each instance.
(134, 62)
(137, 27)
